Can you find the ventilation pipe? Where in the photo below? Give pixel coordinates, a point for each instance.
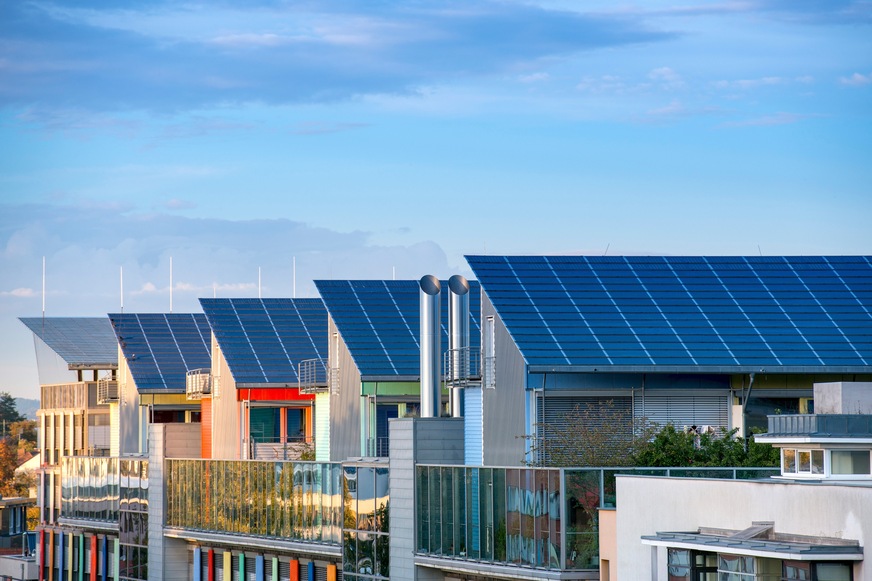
(431, 337)
(458, 339)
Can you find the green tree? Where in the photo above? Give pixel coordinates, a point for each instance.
(8, 412)
(672, 447)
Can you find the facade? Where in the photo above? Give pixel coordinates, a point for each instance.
(268, 360)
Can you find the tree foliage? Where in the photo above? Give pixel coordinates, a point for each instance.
(8, 412)
(607, 436)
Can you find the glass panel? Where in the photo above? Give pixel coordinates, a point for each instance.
(849, 461)
(817, 461)
(788, 461)
(804, 461)
(582, 511)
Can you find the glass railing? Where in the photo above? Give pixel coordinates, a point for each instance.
(97, 489)
(544, 518)
(299, 501)
(824, 425)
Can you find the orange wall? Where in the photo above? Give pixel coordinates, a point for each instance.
(206, 427)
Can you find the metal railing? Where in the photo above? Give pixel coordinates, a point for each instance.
(461, 367)
(311, 376)
(823, 425)
(333, 380)
(198, 382)
(107, 390)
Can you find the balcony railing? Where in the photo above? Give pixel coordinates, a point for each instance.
(198, 382)
(312, 376)
(98, 489)
(461, 367)
(544, 518)
(819, 425)
(107, 390)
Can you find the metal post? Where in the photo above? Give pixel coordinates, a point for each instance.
(431, 337)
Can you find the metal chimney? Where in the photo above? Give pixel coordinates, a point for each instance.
(431, 339)
(458, 339)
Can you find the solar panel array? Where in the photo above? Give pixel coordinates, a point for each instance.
(379, 321)
(80, 341)
(161, 348)
(655, 312)
(264, 340)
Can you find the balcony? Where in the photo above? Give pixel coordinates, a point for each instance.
(107, 391)
(540, 518)
(312, 376)
(461, 367)
(198, 382)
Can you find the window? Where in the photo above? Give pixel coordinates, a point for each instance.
(849, 462)
(802, 462)
(489, 353)
(806, 571)
(678, 563)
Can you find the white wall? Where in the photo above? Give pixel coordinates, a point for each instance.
(647, 505)
(225, 409)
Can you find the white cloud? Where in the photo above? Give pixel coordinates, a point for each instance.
(666, 78)
(856, 80)
(19, 293)
(780, 118)
(746, 84)
(534, 77)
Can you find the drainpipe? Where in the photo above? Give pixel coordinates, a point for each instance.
(431, 338)
(745, 397)
(458, 340)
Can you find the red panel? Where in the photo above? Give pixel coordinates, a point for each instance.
(210, 560)
(51, 545)
(206, 428)
(94, 558)
(295, 570)
(282, 394)
(42, 555)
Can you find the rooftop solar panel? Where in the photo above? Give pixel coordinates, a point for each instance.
(379, 321)
(264, 340)
(161, 348)
(80, 341)
(715, 313)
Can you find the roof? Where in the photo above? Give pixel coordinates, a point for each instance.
(680, 314)
(824, 550)
(161, 348)
(83, 342)
(264, 340)
(379, 321)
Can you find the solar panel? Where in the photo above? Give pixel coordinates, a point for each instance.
(379, 321)
(161, 348)
(702, 312)
(80, 341)
(264, 340)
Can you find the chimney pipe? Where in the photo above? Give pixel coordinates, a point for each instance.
(431, 338)
(458, 339)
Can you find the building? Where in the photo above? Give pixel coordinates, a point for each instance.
(812, 522)
(268, 359)
(695, 341)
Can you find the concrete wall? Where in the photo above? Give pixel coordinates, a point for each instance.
(608, 539)
(345, 434)
(225, 409)
(843, 398)
(647, 505)
(504, 408)
(182, 441)
(425, 441)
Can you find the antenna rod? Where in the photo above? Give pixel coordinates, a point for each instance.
(214, 290)
(43, 287)
(121, 271)
(294, 295)
(258, 283)
(393, 273)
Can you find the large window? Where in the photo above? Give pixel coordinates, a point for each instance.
(802, 462)
(850, 462)
(807, 571)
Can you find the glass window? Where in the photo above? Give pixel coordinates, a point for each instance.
(849, 462)
(832, 572)
(817, 461)
(788, 461)
(678, 564)
(796, 571)
(804, 461)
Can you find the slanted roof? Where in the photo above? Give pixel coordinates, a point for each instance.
(379, 321)
(160, 348)
(264, 340)
(83, 342)
(683, 314)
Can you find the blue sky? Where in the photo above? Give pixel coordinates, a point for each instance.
(363, 139)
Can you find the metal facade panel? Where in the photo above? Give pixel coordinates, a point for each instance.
(728, 313)
(505, 405)
(473, 426)
(160, 348)
(380, 322)
(684, 409)
(345, 428)
(264, 340)
(79, 341)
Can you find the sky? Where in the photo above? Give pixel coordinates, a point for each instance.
(261, 145)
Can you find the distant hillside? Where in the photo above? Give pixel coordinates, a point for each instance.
(27, 407)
